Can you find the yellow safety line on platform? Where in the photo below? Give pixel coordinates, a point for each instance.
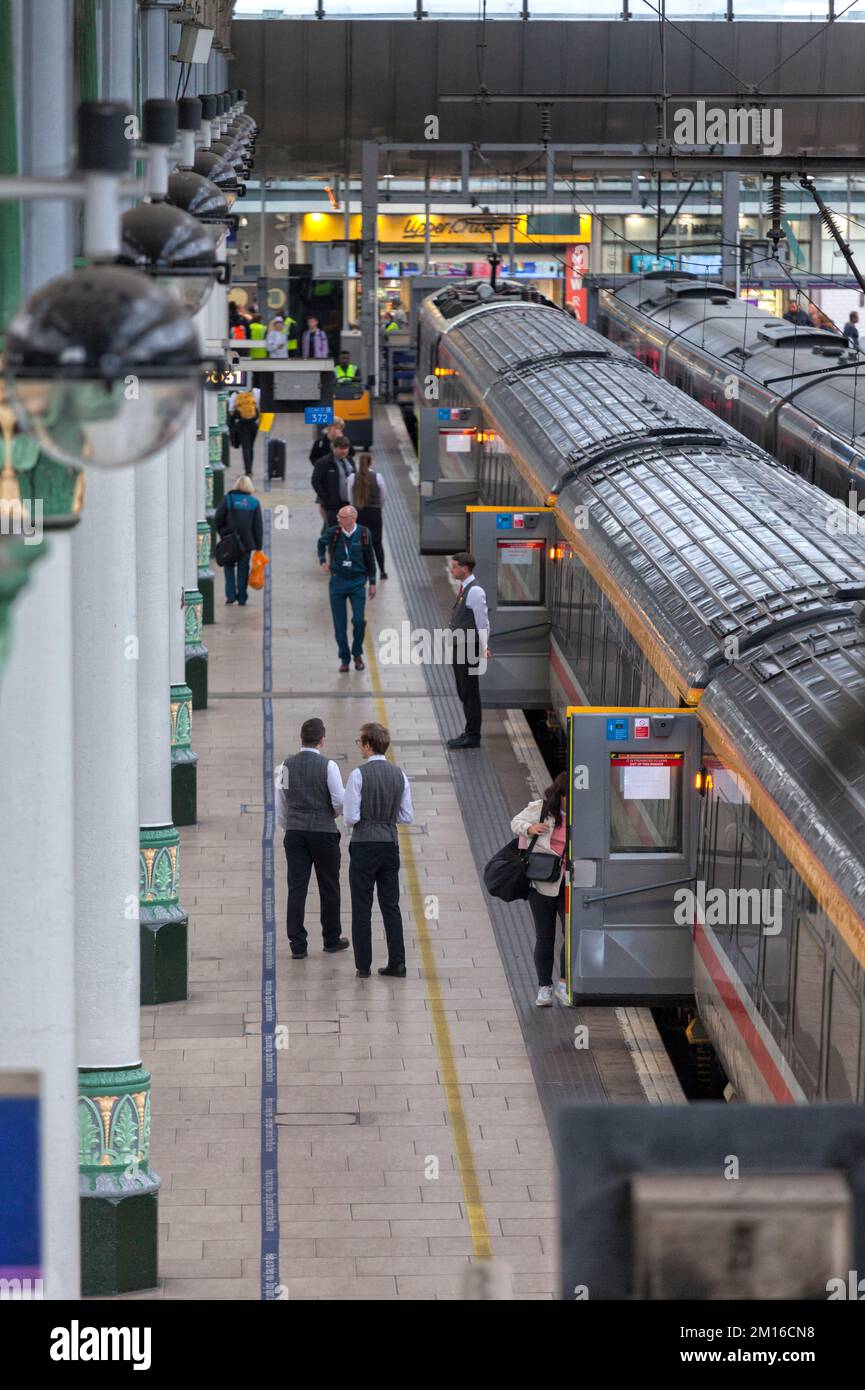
(477, 1217)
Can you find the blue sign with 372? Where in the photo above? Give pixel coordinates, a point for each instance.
(318, 415)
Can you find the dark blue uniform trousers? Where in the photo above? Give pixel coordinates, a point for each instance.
(343, 592)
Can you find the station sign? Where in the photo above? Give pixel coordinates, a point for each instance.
(444, 229)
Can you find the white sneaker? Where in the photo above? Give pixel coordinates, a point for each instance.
(561, 994)
(545, 997)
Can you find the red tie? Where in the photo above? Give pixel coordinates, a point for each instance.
(460, 594)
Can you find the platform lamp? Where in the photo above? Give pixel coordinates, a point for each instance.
(210, 164)
(101, 365)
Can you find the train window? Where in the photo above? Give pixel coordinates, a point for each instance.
(646, 803)
(808, 997)
(520, 573)
(748, 911)
(842, 1072)
(457, 456)
(776, 952)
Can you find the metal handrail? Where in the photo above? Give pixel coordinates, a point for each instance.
(643, 888)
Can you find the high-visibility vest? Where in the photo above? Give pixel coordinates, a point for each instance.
(346, 373)
(391, 327)
(257, 331)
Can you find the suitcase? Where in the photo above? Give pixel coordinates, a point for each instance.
(276, 458)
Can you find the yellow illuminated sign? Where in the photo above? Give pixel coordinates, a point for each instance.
(446, 229)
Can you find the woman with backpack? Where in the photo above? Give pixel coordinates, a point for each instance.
(238, 520)
(366, 491)
(244, 414)
(547, 819)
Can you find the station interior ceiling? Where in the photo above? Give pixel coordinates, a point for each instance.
(319, 89)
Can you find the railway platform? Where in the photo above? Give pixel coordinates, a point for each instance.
(320, 1136)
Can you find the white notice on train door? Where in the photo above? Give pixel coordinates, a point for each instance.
(646, 783)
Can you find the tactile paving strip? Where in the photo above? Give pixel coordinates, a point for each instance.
(561, 1072)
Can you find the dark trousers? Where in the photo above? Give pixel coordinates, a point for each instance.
(306, 850)
(236, 579)
(339, 597)
(370, 517)
(375, 864)
(469, 691)
(545, 911)
(247, 431)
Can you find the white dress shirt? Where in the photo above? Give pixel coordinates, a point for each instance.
(476, 600)
(353, 788)
(334, 786)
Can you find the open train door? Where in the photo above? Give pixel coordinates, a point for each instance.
(634, 818)
(512, 547)
(448, 459)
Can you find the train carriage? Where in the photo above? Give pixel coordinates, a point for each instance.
(687, 570)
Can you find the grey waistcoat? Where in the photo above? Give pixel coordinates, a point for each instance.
(380, 795)
(308, 803)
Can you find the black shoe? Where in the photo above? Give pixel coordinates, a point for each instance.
(383, 575)
(398, 971)
(464, 741)
(358, 664)
(298, 955)
(362, 974)
(341, 945)
(231, 600)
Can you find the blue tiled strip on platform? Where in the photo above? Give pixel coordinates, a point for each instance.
(269, 1132)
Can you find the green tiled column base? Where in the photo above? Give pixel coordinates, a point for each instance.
(205, 588)
(196, 675)
(164, 924)
(184, 787)
(118, 1244)
(184, 763)
(164, 974)
(117, 1185)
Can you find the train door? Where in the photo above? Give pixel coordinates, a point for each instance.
(448, 460)
(634, 823)
(513, 549)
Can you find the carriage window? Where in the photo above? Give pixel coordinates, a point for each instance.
(456, 455)
(520, 573)
(842, 1079)
(646, 803)
(808, 1002)
(776, 952)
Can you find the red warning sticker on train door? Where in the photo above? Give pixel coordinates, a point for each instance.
(642, 728)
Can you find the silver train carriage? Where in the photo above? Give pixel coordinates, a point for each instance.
(687, 571)
(797, 391)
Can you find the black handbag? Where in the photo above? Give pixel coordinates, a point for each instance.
(505, 875)
(543, 867)
(229, 548)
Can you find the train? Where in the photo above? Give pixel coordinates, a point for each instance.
(796, 390)
(690, 570)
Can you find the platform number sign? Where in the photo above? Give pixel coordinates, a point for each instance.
(318, 415)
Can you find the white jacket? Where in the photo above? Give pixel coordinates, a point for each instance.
(520, 826)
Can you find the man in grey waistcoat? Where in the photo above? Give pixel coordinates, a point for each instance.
(377, 799)
(309, 798)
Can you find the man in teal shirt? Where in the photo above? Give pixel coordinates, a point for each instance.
(345, 553)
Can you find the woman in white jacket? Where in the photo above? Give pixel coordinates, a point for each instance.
(547, 819)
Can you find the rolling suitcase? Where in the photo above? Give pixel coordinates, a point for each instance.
(276, 458)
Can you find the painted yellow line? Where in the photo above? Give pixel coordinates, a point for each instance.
(477, 1217)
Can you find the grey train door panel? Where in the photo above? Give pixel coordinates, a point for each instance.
(633, 845)
(511, 546)
(448, 455)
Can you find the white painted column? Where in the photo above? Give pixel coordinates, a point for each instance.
(37, 917)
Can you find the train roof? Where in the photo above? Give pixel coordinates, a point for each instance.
(700, 537)
(817, 365)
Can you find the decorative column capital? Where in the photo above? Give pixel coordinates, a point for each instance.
(181, 717)
(114, 1132)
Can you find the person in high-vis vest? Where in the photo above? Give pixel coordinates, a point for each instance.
(257, 333)
(345, 369)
